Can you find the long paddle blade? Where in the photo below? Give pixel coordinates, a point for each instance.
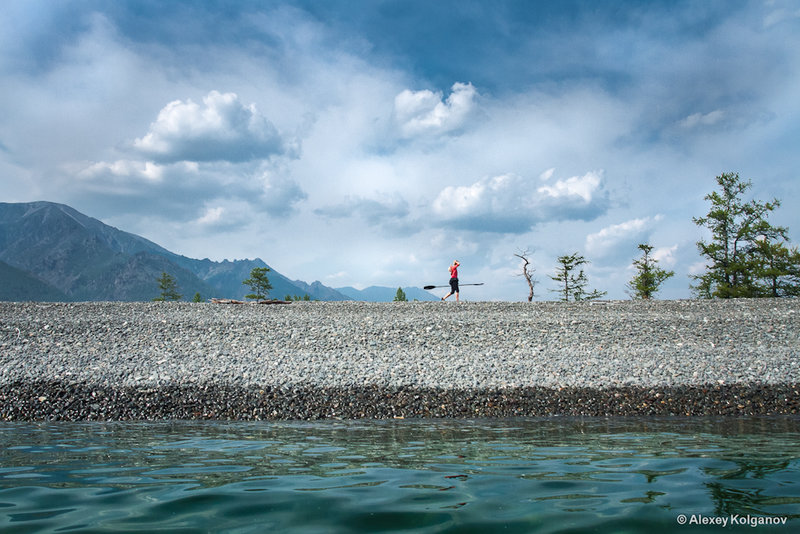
(434, 287)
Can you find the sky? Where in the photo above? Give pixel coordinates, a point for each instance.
(373, 142)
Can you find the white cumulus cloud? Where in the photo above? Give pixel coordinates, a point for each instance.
(583, 187)
(212, 216)
(221, 129)
(424, 112)
(510, 203)
(146, 170)
(617, 235)
(666, 256)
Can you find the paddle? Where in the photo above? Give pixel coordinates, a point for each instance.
(434, 287)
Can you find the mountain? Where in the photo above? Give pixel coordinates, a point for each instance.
(385, 294)
(17, 285)
(324, 292)
(53, 252)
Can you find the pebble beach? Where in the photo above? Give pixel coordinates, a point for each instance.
(311, 360)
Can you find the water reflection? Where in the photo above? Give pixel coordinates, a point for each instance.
(522, 470)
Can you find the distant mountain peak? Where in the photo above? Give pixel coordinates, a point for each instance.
(62, 254)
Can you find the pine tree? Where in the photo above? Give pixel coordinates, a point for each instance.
(747, 255)
(259, 283)
(649, 276)
(400, 296)
(197, 297)
(573, 286)
(169, 288)
(777, 268)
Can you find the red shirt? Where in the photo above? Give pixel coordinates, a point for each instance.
(453, 271)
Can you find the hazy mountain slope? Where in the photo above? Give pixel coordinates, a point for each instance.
(227, 277)
(318, 291)
(85, 259)
(19, 286)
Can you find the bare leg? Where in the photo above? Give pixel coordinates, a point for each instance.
(445, 297)
(456, 296)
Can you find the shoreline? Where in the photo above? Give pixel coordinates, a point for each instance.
(351, 360)
(38, 401)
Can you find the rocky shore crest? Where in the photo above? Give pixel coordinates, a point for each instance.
(309, 360)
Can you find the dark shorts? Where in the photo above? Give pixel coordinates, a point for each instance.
(454, 285)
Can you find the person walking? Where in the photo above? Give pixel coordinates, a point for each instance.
(453, 280)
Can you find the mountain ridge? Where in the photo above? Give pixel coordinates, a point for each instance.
(82, 258)
(53, 252)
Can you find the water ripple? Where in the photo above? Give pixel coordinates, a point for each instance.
(521, 475)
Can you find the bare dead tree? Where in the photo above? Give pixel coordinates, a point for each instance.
(527, 271)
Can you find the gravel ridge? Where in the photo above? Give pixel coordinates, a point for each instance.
(112, 360)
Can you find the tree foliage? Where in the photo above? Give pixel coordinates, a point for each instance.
(169, 288)
(573, 286)
(777, 268)
(649, 276)
(746, 256)
(400, 296)
(197, 297)
(258, 283)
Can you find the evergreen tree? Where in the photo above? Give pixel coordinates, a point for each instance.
(400, 296)
(259, 283)
(573, 286)
(747, 256)
(169, 288)
(777, 268)
(649, 276)
(197, 297)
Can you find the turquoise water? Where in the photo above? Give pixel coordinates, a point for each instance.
(516, 475)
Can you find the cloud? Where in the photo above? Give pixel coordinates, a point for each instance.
(546, 175)
(386, 210)
(222, 129)
(703, 119)
(665, 255)
(184, 188)
(280, 194)
(625, 234)
(231, 215)
(582, 187)
(195, 156)
(425, 113)
(510, 203)
(144, 170)
(212, 216)
(698, 268)
(780, 14)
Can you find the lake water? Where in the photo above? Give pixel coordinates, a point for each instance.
(515, 475)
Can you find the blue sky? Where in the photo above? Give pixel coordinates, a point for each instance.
(372, 142)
